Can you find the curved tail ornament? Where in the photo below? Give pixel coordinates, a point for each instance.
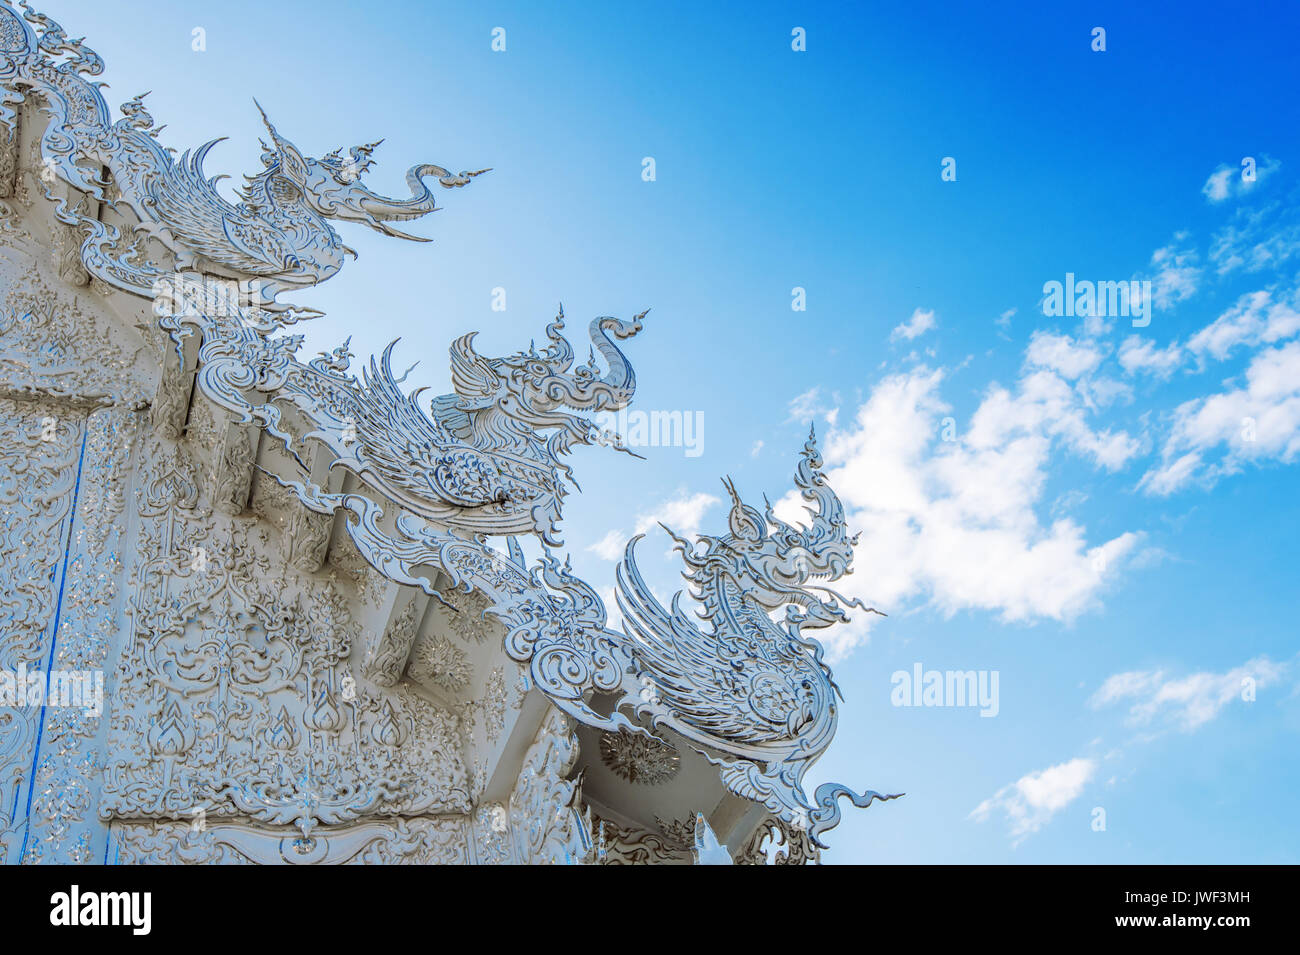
(827, 814)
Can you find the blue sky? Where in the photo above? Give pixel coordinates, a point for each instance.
(1111, 526)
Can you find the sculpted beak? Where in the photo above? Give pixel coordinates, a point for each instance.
(355, 203)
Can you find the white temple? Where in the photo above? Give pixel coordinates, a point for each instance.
(259, 609)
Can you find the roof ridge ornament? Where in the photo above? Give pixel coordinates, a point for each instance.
(751, 695)
(278, 238)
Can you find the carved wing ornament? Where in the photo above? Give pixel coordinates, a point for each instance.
(435, 477)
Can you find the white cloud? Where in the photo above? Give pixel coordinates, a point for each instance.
(1100, 391)
(1257, 423)
(1005, 318)
(1062, 354)
(954, 522)
(1219, 186)
(1187, 702)
(609, 547)
(613, 615)
(1155, 700)
(809, 406)
(1045, 404)
(1254, 319)
(1229, 181)
(1171, 475)
(682, 513)
(1138, 354)
(922, 321)
(1031, 801)
(1177, 274)
(1257, 239)
(758, 446)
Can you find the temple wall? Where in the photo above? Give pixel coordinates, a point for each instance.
(252, 710)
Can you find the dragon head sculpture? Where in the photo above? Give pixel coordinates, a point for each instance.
(485, 457)
(277, 238)
(509, 399)
(778, 564)
(821, 551)
(332, 187)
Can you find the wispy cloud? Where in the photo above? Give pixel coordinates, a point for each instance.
(1231, 182)
(682, 513)
(609, 547)
(1257, 239)
(1256, 318)
(1139, 355)
(922, 321)
(1216, 435)
(1189, 702)
(810, 406)
(1155, 701)
(1062, 354)
(1032, 800)
(1177, 273)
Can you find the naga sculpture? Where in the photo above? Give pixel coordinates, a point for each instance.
(279, 237)
(280, 233)
(430, 485)
(753, 696)
(476, 459)
(486, 457)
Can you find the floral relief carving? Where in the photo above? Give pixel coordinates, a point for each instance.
(38, 466)
(639, 759)
(550, 823)
(62, 823)
(238, 675)
(51, 345)
(468, 623)
(436, 660)
(426, 840)
(386, 658)
(629, 845)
